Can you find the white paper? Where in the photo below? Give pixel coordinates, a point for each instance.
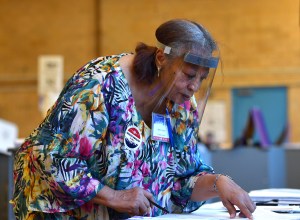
(8, 135)
(216, 211)
(282, 194)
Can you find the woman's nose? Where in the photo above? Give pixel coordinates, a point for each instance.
(194, 85)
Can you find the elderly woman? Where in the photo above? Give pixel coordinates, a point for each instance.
(123, 134)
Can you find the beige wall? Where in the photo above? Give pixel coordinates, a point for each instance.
(32, 28)
(259, 42)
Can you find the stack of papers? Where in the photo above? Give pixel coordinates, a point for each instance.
(284, 195)
(279, 200)
(8, 135)
(216, 211)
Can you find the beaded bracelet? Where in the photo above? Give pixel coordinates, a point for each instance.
(216, 179)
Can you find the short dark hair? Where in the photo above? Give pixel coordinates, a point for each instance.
(181, 34)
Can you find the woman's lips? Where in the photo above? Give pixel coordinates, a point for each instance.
(186, 97)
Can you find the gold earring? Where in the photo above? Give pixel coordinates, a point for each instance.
(158, 70)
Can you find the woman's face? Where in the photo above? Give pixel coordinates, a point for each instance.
(185, 80)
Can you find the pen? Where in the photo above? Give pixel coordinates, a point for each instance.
(158, 206)
(266, 204)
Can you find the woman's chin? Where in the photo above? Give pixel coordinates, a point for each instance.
(179, 101)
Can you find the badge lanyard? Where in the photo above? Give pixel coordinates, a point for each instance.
(168, 119)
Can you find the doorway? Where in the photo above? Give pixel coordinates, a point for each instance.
(272, 103)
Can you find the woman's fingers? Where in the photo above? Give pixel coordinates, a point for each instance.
(231, 209)
(142, 198)
(246, 206)
(149, 197)
(251, 206)
(247, 209)
(245, 212)
(232, 195)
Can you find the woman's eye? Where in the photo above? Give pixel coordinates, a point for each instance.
(190, 76)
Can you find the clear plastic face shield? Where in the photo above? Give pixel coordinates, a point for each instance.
(192, 79)
(185, 84)
(202, 72)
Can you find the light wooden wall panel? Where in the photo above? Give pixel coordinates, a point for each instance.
(259, 43)
(32, 28)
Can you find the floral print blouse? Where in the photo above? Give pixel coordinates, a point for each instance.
(81, 146)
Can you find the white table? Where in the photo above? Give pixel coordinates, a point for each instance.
(216, 211)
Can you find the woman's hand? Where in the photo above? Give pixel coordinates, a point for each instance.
(211, 185)
(233, 195)
(133, 201)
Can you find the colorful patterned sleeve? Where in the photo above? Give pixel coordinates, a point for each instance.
(76, 157)
(72, 157)
(189, 164)
(183, 188)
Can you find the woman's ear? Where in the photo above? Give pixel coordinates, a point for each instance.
(160, 57)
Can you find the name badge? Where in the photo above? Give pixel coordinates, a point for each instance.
(159, 128)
